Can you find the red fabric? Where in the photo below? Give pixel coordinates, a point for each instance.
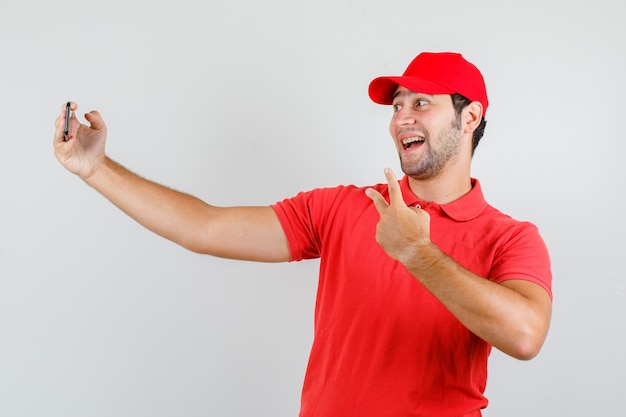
(434, 73)
(383, 345)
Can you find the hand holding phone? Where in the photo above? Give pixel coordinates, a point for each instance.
(66, 130)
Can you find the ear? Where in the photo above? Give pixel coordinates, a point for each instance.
(472, 116)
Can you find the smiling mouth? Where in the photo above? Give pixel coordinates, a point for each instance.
(408, 142)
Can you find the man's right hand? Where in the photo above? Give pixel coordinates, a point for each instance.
(83, 153)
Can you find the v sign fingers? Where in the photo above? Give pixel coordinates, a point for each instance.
(395, 194)
(401, 230)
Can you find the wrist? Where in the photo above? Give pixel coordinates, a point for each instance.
(92, 177)
(422, 257)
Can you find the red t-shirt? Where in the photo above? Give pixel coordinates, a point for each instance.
(383, 345)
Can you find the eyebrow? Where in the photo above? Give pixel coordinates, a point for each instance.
(407, 92)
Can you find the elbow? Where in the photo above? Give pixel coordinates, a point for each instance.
(192, 244)
(526, 350)
(527, 332)
(527, 346)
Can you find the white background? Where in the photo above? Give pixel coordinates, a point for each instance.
(247, 102)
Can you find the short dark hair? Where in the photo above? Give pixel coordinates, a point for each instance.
(460, 102)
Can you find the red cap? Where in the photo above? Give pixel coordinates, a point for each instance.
(434, 73)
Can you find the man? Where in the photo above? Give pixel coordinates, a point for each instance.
(419, 278)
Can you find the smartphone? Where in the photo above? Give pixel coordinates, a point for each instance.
(66, 131)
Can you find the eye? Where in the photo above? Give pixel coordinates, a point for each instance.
(420, 103)
(396, 107)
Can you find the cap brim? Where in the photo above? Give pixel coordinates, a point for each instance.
(382, 89)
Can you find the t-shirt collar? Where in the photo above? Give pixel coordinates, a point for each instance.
(468, 207)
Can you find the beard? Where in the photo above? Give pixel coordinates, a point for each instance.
(437, 153)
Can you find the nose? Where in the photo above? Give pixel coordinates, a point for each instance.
(404, 116)
(402, 120)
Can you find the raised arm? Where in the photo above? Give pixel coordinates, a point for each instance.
(249, 233)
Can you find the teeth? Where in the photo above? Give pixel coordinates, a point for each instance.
(414, 139)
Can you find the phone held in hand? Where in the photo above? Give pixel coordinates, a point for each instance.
(66, 131)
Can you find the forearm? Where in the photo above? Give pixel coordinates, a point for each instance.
(248, 233)
(169, 213)
(508, 315)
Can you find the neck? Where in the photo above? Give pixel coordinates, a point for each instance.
(442, 189)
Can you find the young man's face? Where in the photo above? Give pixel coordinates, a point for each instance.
(426, 132)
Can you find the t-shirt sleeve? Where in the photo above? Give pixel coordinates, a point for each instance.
(524, 256)
(311, 216)
(296, 215)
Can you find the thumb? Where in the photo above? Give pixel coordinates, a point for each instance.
(95, 120)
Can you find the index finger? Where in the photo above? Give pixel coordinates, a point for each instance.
(395, 194)
(73, 106)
